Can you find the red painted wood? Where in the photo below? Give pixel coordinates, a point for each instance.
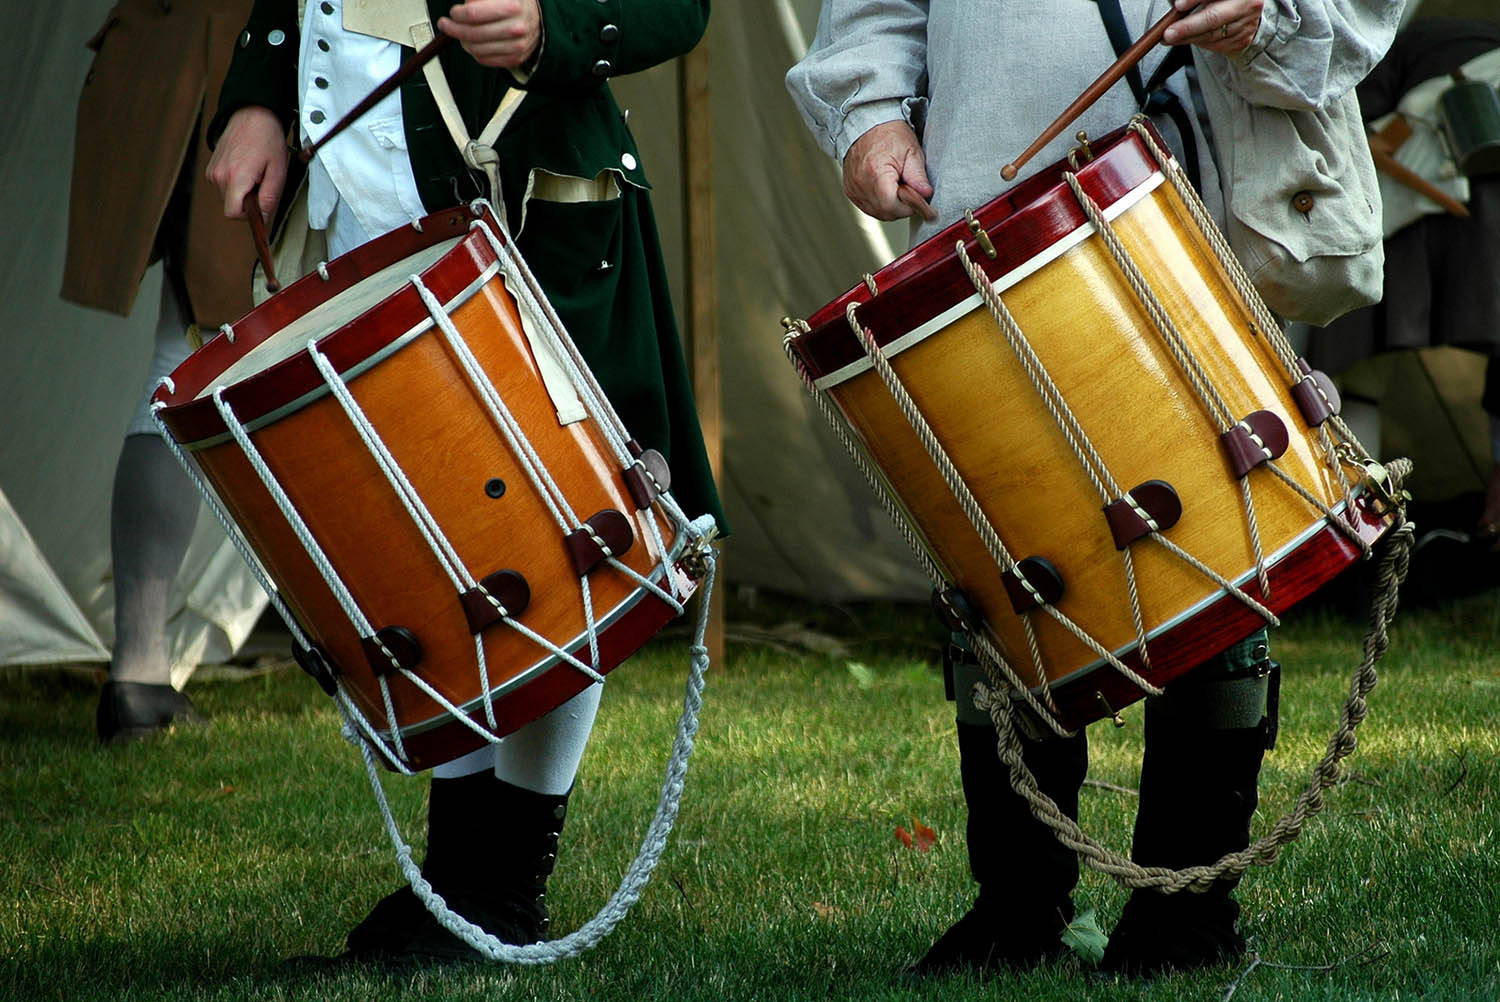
(929, 279)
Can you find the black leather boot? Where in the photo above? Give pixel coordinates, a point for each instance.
(1198, 794)
(490, 849)
(1025, 876)
(129, 711)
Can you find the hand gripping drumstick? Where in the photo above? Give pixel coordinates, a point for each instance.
(1095, 90)
(307, 150)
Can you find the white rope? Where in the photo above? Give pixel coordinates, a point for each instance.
(237, 538)
(529, 292)
(441, 547)
(231, 530)
(391, 747)
(293, 517)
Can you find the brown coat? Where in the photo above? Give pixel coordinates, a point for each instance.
(158, 65)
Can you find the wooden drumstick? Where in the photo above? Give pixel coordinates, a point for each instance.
(1096, 90)
(416, 62)
(251, 206)
(905, 193)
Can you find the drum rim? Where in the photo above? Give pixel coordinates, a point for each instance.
(294, 404)
(1369, 527)
(927, 280)
(190, 413)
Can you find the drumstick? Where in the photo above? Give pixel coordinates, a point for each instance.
(416, 62)
(1096, 90)
(906, 193)
(252, 210)
(258, 231)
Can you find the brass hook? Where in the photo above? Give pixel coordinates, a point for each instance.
(1109, 711)
(979, 234)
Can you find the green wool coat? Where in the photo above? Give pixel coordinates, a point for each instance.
(599, 262)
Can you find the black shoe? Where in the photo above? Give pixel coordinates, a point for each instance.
(1198, 795)
(400, 931)
(985, 942)
(1184, 931)
(129, 711)
(1018, 918)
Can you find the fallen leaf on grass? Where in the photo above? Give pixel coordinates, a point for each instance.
(1084, 937)
(863, 676)
(920, 837)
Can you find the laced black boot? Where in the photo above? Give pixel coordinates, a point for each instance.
(1025, 876)
(1198, 795)
(490, 848)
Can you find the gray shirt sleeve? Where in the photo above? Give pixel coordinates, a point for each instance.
(1308, 53)
(867, 64)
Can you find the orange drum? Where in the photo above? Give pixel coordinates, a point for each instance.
(446, 506)
(1106, 457)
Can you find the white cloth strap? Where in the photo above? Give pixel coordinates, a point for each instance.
(480, 152)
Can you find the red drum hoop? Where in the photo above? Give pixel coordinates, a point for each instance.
(470, 603)
(1143, 421)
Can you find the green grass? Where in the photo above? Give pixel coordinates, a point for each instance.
(189, 867)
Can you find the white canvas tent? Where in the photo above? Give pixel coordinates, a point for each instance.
(804, 521)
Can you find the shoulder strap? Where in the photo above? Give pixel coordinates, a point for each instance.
(1152, 96)
(478, 152)
(1119, 37)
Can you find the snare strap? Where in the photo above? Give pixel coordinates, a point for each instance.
(1152, 95)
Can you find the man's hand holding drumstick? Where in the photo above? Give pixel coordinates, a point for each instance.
(1223, 26)
(885, 171)
(252, 151)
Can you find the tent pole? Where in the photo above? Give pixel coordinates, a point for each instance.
(702, 285)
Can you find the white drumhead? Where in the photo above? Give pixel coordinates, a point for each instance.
(329, 316)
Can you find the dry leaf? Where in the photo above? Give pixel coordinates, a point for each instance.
(920, 837)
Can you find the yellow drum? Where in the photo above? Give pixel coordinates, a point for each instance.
(1103, 451)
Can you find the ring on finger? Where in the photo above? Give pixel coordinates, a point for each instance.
(1224, 30)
